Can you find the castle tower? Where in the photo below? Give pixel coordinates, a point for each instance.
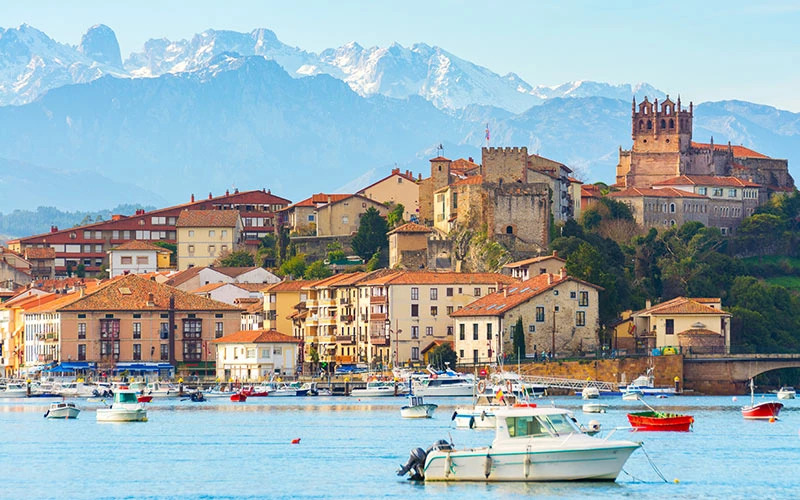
(440, 172)
(664, 129)
(507, 165)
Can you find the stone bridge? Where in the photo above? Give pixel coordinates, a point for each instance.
(731, 373)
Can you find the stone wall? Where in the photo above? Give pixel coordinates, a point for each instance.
(316, 247)
(665, 369)
(505, 165)
(524, 208)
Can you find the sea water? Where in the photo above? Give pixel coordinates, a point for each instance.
(351, 448)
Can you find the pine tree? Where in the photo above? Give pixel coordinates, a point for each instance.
(519, 340)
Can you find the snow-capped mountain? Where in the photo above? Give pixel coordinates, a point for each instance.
(31, 63)
(581, 88)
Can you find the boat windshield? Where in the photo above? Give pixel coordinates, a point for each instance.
(126, 397)
(540, 425)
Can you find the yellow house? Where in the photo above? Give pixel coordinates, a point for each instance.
(280, 300)
(683, 323)
(205, 235)
(397, 187)
(528, 268)
(410, 239)
(342, 217)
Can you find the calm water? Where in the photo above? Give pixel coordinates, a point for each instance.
(351, 449)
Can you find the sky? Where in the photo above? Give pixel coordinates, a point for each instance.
(704, 50)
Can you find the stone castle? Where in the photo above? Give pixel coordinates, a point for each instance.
(663, 149)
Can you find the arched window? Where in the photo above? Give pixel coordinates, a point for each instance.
(641, 124)
(672, 208)
(672, 222)
(663, 123)
(509, 230)
(649, 125)
(671, 123)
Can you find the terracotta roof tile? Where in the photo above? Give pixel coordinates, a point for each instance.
(439, 158)
(738, 151)
(706, 180)
(289, 286)
(411, 227)
(40, 253)
(131, 293)
(140, 245)
(666, 192)
(469, 181)
(182, 277)
(699, 331)
(533, 260)
(257, 337)
(208, 218)
(680, 305)
(395, 173)
(210, 287)
(440, 277)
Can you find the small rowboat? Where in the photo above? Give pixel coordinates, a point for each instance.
(768, 410)
(658, 421)
(144, 399)
(238, 397)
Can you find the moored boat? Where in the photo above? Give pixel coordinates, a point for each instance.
(377, 389)
(256, 391)
(481, 415)
(63, 410)
(767, 410)
(530, 444)
(417, 408)
(594, 408)
(590, 392)
(659, 421)
(787, 393)
(125, 408)
(14, 390)
(632, 393)
(238, 397)
(144, 399)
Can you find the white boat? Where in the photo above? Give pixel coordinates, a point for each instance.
(62, 410)
(530, 444)
(378, 389)
(632, 392)
(75, 390)
(787, 393)
(417, 408)
(125, 408)
(14, 390)
(156, 389)
(590, 392)
(445, 384)
(511, 382)
(594, 408)
(646, 384)
(283, 390)
(481, 415)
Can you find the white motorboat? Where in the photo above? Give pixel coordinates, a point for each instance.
(156, 389)
(787, 393)
(417, 408)
(511, 382)
(62, 410)
(283, 390)
(594, 408)
(530, 444)
(125, 408)
(646, 384)
(75, 390)
(481, 415)
(446, 384)
(632, 392)
(377, 389)
(590, 392)
(14, 390)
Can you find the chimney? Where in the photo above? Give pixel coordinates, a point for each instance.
(647, 304)
(82, 291)
(505, 292)
(549, 279)
(236, 191)
(419, 176)
(471, 160)
(227, 193)
(209, 195)
(53, 229)
(150, 300)
(563, 273)
(269, 191)
(192, 197)
(395, 171)
(555, 253)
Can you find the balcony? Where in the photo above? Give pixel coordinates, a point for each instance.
(312, 303)
(379, 341)
(345, 339)
(51, 337)
(327, 302)
(378, 299)
(377, 317)
(344, 301)
(312, 320)
(345, 360)
(327, 321)
(348, 318)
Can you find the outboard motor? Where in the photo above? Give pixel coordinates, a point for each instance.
(594, 426)
(416, 462)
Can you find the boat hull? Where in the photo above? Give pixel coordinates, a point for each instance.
(121, 415)
(786, 395)
(594, 408)
(238, 398)
(653, 421)
(445, 391)
(63, 413)
(418, 411)
(762, 411)
(489, 465)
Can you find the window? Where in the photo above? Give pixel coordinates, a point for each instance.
(212, 249)
(137, 330)
(126, 260)
(163, 331)
(224, 233)
(460, 352)
(164, 352)
(584, 299)
(277, 351)
(311, 218)
(414, 332)
(429, 331)
(732, 193)
(415, 353)
(717, 191)
(476, 292)
(192, 328)
(81, 352)
(191, 233)
(414, 310)
(414, 293)
(488, 331)
(434, 310)
(345, 219)
(81, 330)
(572, 295)
(531, 328)
(474, 331)
(702, 190)
(218, 329)
(580, 318)
(434, 293)
(191, 248)
(449, 330)
(461, 333)
(449, 291)
(211, 233)
(539, 314)
(670, 327)
(142, 259)
(251, 353)
(449, 310)
(672, 208)
(137, 352)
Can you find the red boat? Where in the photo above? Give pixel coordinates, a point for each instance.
(658, 421)
(251, 392)
(239, 397)
(761, 411)
(144, 399)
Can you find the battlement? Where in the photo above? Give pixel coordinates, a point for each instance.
(505, 150)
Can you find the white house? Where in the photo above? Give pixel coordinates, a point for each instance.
(223, 292)
(135, 257)
(195, 277)
(255, 355)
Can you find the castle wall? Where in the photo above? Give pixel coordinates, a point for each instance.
(648, 168)
(506, 164)
(769, 172)
(521, 210)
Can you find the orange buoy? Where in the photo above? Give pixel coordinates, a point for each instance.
(772, 420)
(296, 441)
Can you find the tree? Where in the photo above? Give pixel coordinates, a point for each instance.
(80, 271)
(173, 249)
(317, 271)
(239, 258)
(335, 252)
(371, 235)
(295, 267)
(395, 216)
(519, 340)
(443, 355)
(374, 262)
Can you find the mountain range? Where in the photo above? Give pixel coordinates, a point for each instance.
(225, 109)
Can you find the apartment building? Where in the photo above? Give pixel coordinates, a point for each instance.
(205, 235)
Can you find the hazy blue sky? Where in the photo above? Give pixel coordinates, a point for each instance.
(704, 50)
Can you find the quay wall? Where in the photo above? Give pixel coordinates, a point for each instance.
(665, 369)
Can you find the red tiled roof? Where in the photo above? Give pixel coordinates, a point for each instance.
(706, 180)
(436, 343)
(140, 245)
(132, 293)
(289, 286)
(182, 277)
(738, 151)
(395, 172)
(699, 331)
(439, 158)
(210, 287)
(40, 253)
(498, 303)
(682, 305)
(233, 271)
(319, 198)
(411, 227)
(590, 190)
(666, 192)
(468, 181)
(574, 180)
(208, 218)
(257, 337)
(440, 277)
(533, 260)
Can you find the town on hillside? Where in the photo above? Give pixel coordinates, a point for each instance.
(509, 259)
